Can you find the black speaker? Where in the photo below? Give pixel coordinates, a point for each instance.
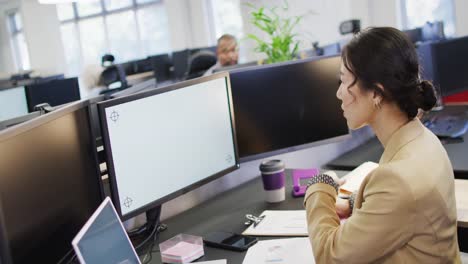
(350, 26)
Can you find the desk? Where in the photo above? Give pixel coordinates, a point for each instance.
(372, 150)
(139, 77)
(226, 212)
(461, 195)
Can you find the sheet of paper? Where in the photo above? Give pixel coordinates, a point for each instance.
(219, 261)
(280, 223)
(280, 251)
(356, 176)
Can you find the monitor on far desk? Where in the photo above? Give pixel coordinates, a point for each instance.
(13, 103)
(165, 142)
(451, 65)
(288, 106)
(55, 92)
(236, 66)
(180, 61)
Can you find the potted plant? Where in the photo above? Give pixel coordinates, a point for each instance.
(282, 44)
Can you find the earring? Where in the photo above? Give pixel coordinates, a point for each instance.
(377, 105)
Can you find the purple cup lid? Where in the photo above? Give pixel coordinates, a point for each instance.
(269, 166)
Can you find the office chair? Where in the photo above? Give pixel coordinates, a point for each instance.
(114, 74)
(199, 63)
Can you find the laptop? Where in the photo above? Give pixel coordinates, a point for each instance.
(103, 239)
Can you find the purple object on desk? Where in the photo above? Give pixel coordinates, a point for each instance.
(297, 175)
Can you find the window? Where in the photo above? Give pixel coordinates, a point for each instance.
(417, 12)
(18, 42)
(128, 29)
(227, 18)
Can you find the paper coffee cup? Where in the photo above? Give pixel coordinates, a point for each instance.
(273, 180)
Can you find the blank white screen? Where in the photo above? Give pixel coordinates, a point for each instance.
(13, 103)
(163, 143)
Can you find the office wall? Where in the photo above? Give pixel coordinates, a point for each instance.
(388, 13)
(384, 13)
(179, 17)
(461, 19)
(42, 32)
(190, 19)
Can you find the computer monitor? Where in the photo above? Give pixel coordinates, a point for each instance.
(49, 78)
(13, 103)
(162, 67)
(144, 65)
(450, 65)
(49, 184)
(165, 142)
(414, 35)
(55, 92)
(180, 61)
(236, 66)
(288, 106)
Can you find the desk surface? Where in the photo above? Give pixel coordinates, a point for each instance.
(372, 150)
(461, 196)
(226, 212)
(139, 77)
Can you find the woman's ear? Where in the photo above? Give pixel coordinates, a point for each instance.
(378, 93)
(377, 97)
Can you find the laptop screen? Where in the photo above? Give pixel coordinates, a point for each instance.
(103, 239)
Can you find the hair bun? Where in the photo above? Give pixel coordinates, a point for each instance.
(428, 99)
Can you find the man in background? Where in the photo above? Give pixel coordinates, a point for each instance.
(227, 52)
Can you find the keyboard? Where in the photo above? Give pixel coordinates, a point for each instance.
(451, 126)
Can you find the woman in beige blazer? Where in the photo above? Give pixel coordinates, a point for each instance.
(404, 211)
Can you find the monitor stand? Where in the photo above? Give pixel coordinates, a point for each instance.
(152, 219)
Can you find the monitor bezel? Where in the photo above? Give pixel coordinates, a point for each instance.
(285, 150)
(108, 149)
(437, 82)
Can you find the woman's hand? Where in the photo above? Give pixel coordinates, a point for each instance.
(342, 207)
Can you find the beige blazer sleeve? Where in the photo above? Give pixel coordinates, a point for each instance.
(381, 226)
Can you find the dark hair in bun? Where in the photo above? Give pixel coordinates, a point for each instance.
(384, 55)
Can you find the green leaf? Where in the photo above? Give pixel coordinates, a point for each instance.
(281, 44)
